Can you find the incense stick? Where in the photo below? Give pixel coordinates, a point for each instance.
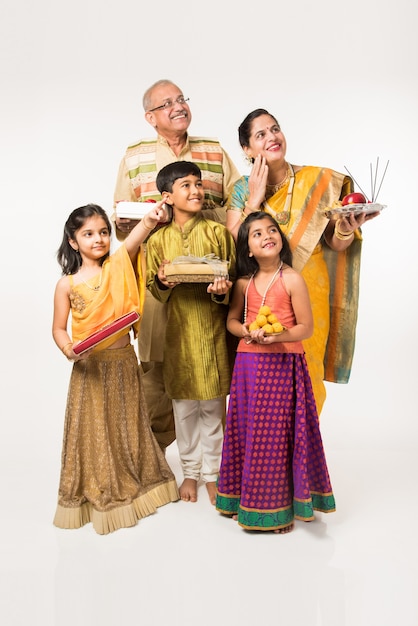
(384, 173)
(355, 181)
(373, 180)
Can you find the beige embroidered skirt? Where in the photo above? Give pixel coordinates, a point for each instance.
(113, 472)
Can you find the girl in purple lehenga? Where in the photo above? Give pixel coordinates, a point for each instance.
(273, 467)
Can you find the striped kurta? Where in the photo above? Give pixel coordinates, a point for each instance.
(143, 160)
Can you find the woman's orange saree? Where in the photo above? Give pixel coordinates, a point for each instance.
(332, 277)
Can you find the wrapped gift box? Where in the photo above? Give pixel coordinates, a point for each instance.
(189, 269)
(133, 210)
(105, 332)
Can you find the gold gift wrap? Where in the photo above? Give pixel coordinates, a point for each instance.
(190, 269)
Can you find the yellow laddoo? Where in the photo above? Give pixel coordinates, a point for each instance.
(264, 310)
(261, 320)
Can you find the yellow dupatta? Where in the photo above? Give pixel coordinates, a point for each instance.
(122, 289)
(316, 189)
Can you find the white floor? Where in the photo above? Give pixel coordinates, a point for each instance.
(187, 565)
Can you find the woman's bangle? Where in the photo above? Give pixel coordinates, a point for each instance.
(244, 215)
(340, 235)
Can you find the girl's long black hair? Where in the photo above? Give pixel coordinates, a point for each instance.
(70, 260)
(246, 264)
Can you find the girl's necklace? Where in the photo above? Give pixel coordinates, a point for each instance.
(265, 292)
(97, 287)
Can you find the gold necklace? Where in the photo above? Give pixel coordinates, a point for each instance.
(283, 217)
(97, 287)
(274, 188)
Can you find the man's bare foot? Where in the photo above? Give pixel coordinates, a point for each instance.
(188, 490)
(211, 487)
(283, 531)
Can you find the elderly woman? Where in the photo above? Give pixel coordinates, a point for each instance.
(325, 251)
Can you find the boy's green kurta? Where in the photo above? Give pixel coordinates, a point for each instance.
(196, 364)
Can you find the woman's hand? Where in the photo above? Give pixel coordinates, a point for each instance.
(350, 222)
(257, 182)
(339, 234)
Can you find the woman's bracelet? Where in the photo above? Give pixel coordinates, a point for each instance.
(244, 215)
(340, 235)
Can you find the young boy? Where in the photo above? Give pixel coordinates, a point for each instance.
(196, 366)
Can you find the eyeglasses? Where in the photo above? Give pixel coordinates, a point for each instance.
(169, 103)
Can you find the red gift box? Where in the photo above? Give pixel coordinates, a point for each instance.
(107, 331)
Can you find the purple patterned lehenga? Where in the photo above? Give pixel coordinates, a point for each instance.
(273, 466)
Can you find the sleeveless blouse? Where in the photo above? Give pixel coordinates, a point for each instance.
(280, 304)
(116, 290)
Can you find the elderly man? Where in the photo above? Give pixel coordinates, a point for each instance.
(167, 110)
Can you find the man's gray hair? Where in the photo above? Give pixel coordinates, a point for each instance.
(147, 98)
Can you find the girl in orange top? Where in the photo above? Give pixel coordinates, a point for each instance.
(273, 466)
(113, 472)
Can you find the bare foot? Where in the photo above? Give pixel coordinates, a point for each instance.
(188, 490)
(283, 531)
(211, 487)
(235, 517)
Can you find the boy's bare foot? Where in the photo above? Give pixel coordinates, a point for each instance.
(188, 490)
(211, 487)
(283, 531)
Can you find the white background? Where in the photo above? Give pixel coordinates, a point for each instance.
(341, 77)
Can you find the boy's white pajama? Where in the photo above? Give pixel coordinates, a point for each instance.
(199, 435)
